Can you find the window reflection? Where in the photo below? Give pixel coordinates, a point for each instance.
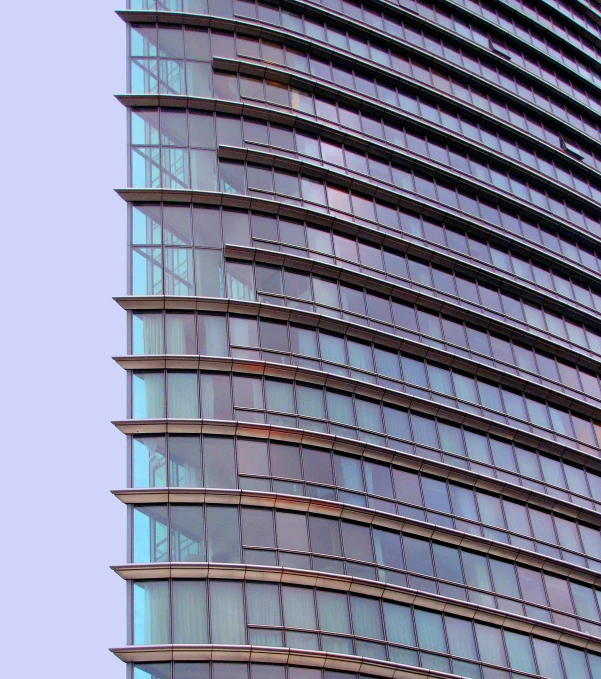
(392, 490)
(226, 87)
(321, 619)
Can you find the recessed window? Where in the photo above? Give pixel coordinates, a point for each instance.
(500, 49)
(572, 149)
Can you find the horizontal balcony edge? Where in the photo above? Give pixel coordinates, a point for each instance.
(340, 509)
(351, 386)
(424, 296)
(311, 214)
(388, 192)
(362, 586)
(364, 515)
(273, 655)
(304, 436)
(378, 147)
(323, 49)
(282, 75)
(447, 358)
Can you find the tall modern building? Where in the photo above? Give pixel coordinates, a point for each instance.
(364, 326)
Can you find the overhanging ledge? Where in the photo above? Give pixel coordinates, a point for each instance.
(364, 587)
(275, 656)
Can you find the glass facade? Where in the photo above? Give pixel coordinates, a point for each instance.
(364, 339)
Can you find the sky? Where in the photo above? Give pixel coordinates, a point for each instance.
(63, 259)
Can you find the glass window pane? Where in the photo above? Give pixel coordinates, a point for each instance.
(317, 465)
(475, 567)
(407, 487)
(150, 534)
(348, 472)
(333, 612)
(279, 396)
(357, 541)
(177, 228)
(367, 619)
(547, 658)
(520, 652)
(399, 623)
(325, 535)
(252, 457)
(223, 534)
(291, 531)
(182, 395)
(209, 273)
(227, 613)
(184, 461)
(531, 582)
(190, 612)
(149, 462)
(310, 401)
(248, 392)
(340, 407)
(148, 395)
(187, 533)
(388, 548)
(207, 227)
(464, 502)
(285, 460)
(430, 631)
(147, 333)
(435, 494)
(212, 335)
(461, 637)
(263, 604)
(505, 578)
(219, 462)
(257, 527)
(490, 510)
(424, 430)
(151, 612)
(180, 330)
(417, 555)
(244, 331)
(152, 671)
(490, 644)
(574, 661)
(299, 607)
(146, 225)
(378, 479)
(448, 565)
(558, 592)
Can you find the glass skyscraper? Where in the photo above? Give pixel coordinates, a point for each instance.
(364, 326)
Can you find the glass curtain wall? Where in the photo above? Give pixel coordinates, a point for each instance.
(364, 338)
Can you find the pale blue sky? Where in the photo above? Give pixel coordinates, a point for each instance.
(64, 236)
